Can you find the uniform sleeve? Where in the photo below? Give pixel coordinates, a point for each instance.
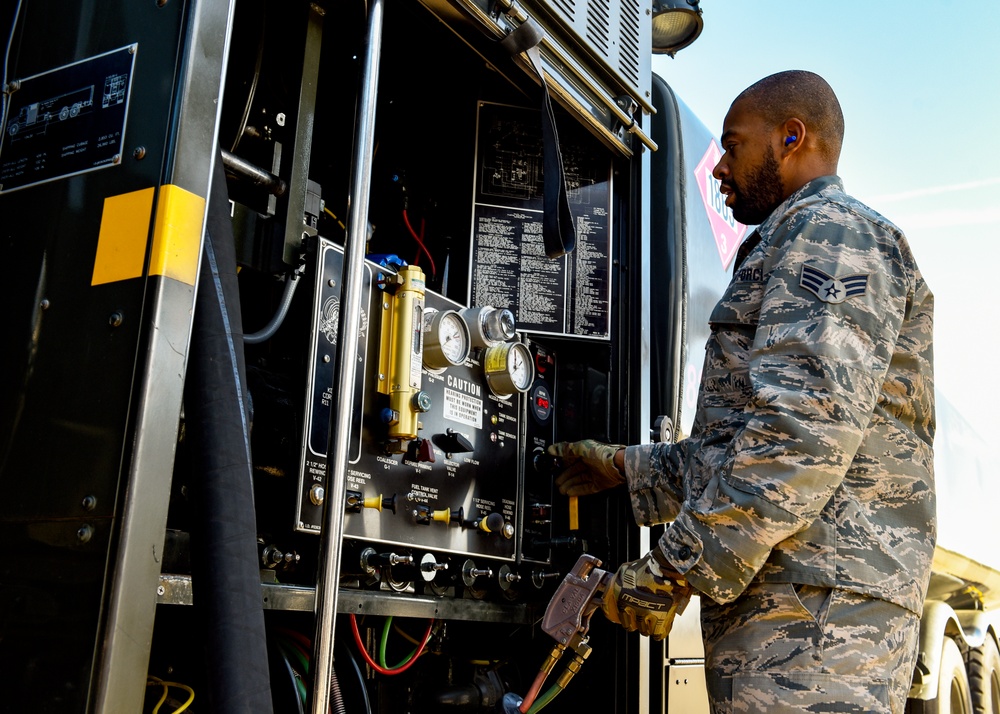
(655, 476)
(816, 367)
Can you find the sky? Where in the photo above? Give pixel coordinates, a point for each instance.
(919, 83)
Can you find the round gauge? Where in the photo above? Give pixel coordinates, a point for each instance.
(446, 339)
(489, 326)
(509, 368)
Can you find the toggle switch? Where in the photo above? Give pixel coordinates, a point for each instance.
(421, 450)
(454, 442)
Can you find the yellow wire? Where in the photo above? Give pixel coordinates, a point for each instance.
(334, 217)
(166, 686)
(166, 691)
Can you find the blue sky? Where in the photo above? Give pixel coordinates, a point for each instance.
(919, 82)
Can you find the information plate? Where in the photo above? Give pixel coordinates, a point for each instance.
(570, 295)
(67, 121)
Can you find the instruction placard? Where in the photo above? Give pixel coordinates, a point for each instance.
(570, 295)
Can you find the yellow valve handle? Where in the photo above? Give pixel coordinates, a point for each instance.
(442, 516)
(373, 502)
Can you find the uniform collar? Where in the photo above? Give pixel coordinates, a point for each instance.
(811, 188)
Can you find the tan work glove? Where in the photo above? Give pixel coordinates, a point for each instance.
(589, 467)
(646, 595)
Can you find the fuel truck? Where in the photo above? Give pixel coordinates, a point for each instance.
(296, 296)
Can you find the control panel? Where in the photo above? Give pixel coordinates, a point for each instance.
(437, 434)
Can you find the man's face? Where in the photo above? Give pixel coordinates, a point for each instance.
(749, 171)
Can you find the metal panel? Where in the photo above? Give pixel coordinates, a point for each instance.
(584, 84)
(686, 689)
(129, 628)
(79, 612)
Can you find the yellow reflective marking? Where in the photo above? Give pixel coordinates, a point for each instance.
(121, 243)
(177, 234)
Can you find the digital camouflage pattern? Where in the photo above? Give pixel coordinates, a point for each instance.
(810, 458)
(646, 595)
(785, 649)
(588, 466)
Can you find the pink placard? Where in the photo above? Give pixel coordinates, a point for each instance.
(727, 230)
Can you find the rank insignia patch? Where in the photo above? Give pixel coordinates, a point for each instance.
(830, 289)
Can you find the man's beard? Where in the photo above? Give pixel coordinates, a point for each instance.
(762, 193)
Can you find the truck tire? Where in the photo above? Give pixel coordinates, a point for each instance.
(984, 677)
(954, 694)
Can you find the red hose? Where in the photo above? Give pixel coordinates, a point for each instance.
(419, 239)
(383, 670)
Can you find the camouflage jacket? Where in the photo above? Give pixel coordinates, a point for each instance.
(810, 459)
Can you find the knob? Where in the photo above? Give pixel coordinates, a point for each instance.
(430, 567)
(446, 515)
(355, 501)
(545, 463)
(508, 578)
(470, 573)
(491, 524)
(370, 559)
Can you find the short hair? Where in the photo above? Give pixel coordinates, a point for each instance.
(803, 95)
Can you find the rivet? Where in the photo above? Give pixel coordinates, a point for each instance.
(140, 153)
(116, 319)
(85, 533)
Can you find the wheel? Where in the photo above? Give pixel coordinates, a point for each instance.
(954, 694)
(984, 677)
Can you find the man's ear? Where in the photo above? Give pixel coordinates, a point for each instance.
(793, 133)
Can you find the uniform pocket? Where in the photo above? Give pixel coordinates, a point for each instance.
(740, 304)
(809, 692)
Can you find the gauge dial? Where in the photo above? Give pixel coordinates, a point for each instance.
(489, 325)
(509, 368)
(446, 339)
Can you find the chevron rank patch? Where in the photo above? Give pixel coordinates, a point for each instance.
(830, 289)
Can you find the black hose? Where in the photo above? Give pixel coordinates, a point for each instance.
(267, 332)
(361, 680)
(225, 573)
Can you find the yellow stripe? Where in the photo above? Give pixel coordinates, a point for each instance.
(177, 234)
(121, 244)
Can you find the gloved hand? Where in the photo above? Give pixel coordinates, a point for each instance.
(646, 594)
(589, 467)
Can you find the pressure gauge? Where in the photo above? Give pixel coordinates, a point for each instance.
(489, 325)
(508, 368)
(446, 339)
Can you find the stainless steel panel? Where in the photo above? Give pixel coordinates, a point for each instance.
(686, 690)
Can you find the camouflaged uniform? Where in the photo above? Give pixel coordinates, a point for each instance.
(810, 458)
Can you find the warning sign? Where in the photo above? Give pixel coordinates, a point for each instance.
(727, 230)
